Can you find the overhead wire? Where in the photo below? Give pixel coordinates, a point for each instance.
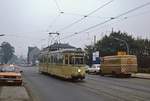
(125, 13)
(59, 10)
(54, 20)
(139, 14)
(113, 18)
(20, 37)
(85, 16)
(131, 16)
(75, 14)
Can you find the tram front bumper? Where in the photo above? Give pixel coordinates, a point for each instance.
(78, 76)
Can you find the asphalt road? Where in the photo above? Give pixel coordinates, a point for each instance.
(93, 88)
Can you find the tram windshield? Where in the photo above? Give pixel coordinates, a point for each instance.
(76, 60)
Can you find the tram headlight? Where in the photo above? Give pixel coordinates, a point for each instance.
(79, 70)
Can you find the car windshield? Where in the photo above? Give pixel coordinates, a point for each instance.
(7, 69)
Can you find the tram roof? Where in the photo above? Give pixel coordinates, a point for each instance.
(57, 46)
(62, 51)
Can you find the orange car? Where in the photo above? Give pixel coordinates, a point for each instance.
(10, 75)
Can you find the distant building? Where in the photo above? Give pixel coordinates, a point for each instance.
(33, 53)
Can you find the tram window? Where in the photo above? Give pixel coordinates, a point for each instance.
(41, 60)
(75, 60)
(55, 60)
(60, 61)
(45, 59)
(71, 61)
(51, 59)
(78, 60)
(66, 60)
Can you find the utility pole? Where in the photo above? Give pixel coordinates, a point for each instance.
(112, 30)
(0, 47)
(94, 43)
(94, 39)
(93, 51)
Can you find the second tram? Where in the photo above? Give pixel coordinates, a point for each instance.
(120, 65)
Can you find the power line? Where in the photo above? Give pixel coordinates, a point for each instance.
(139, 14)
(76, 14)
(116, 17)
(100, 8)
(125, 13)
(59, 10)
(85, 16)
(55, 20)
(132, 16)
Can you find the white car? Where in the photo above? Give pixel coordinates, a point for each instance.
(95, 68)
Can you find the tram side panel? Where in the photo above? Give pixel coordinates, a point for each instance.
(50, 64)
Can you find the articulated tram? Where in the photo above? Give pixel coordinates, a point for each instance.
(64, 63)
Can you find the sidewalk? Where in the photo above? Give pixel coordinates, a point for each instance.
(13, 93)
(141, 75)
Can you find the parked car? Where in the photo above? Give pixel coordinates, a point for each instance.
(10, 74)
(95, 68)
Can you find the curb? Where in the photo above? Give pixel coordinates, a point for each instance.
(7, 93)
(141, 76)
(31, 94)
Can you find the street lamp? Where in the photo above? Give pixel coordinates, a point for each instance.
(127, 46)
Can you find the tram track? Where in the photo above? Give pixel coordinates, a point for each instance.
(115, 93)
(97, 92)
(111, 90)
(125, 84)
(131, 93)
(133, 81)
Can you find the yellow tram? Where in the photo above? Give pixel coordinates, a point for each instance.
(64, 63)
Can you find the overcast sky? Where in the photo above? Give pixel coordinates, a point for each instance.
(27, 22)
